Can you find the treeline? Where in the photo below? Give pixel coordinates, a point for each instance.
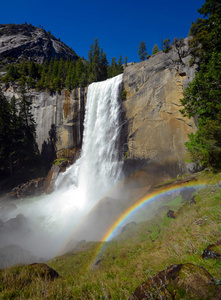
(19, 153)
(202, 99)
(55, 74)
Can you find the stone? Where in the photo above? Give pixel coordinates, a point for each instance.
(182, 281)
(51, 178)
(186, 194)
(128, 226)
(44, 271)
(171, 214)
(34, 187)
(14, 224)
(212, 251)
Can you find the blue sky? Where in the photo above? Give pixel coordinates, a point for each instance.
(119, 25)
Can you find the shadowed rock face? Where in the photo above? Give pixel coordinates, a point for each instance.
(156, 130)
(183, 281)
(29, 42)
(65, 110)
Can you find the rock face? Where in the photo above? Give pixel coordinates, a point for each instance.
(28, 42)
(65, 110)
(156, 130)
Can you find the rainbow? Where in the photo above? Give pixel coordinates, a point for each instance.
(157, 193)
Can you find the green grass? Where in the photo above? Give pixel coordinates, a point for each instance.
(133, 256)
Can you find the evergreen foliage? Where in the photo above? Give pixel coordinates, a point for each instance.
(203, 96)
(155, 49)
(166, 45)
(18, 147)
(142, 51)
(54, 75)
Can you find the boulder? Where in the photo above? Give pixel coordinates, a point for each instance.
(44, 271)
(186, 194)
(212, 251)
(128, 226)
(171, 214)
(183, 281)
(14, 224)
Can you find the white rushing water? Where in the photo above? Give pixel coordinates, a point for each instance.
(99, 167)
(79, 189)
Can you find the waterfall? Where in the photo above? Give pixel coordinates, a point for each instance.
(52, 218)
(98, 167)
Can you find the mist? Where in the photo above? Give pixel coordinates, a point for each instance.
(86, 197)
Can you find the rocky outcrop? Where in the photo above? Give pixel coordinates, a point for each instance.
(65, 110)
(183, 281)
(24, 41)
(34, 187)
(156, 130)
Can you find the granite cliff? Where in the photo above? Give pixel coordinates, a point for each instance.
(65, 110)
(27, 42)
(156, 130)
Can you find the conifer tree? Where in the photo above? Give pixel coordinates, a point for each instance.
(142, 51)
(155, 49)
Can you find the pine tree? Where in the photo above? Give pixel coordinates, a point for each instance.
(155, 49)
(5, 133)
(29, 146)
(142, 51)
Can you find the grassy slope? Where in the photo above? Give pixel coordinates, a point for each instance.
(139, 252)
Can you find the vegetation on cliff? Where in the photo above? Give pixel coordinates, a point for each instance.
(19, 154)
(56, 74)
(202, 99)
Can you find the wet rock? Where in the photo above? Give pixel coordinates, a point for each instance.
(34, 187)
(187, 193)
(44, 271)
(14, 224)
(183, 281)
(51, 178)
(6, 209)
(128, 226)
(14, 254)
(212, 251)
(98, 262)
(171, 214)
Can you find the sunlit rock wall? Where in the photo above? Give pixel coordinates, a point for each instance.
(156, 130)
